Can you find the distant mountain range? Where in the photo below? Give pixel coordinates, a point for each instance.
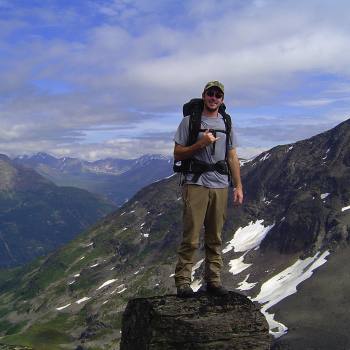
(116, 179)
(36, 216)
(286, 248)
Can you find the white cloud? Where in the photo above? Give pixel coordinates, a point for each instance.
(315, 102)
(123, 57)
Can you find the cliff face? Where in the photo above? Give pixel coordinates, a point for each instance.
(202, 322)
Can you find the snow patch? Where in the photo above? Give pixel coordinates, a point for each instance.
(237, 265)
(248, 237)
(266, 156)
(345, 208)
(324, 195)
(267, 202)
(82, 300)
(63, 307)
(106, 283)
(284, 284)
(196, 283)
(244, 285)
(120, 286)
(245, 161)
(325, 157)
(277, 329)
(197, 266)
(94, 265)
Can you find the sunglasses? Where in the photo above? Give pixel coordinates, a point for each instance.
(217, 94)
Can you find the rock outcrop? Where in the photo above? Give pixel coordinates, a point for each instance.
(202, 322)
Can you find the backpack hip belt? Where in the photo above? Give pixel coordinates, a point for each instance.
(195, 166)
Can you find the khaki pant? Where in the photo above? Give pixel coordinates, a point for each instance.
(206, 206)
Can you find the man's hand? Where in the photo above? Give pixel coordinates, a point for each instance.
(208, 138)
(238, 196)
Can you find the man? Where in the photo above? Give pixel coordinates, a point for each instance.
(205, 196)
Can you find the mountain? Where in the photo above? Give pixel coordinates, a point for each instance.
(116, 179)
(286, 248)
(37, 216)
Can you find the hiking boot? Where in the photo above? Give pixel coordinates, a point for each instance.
(216, 289)
(185, 291)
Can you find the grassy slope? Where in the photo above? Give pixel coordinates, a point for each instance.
(44, 283)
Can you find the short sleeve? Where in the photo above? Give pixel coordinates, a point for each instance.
(182, 132)
(234, 141)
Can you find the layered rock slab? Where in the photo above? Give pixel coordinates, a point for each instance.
(203, 322)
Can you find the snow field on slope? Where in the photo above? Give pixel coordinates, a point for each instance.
(284, 284)
(281, 285)
(248, 237)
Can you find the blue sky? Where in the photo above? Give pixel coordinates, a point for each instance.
(95, 79)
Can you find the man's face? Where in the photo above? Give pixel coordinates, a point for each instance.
(212, 99)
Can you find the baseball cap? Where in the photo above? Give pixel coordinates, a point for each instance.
(214, 83)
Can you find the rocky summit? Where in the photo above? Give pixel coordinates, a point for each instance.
(203, 322)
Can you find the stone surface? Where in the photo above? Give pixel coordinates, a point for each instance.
(202, 322)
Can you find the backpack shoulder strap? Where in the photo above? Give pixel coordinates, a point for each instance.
(193, 109)
(228, 123)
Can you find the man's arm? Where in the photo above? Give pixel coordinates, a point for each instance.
(233, 163)
(185, 152)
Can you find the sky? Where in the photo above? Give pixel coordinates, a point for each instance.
(108, 78)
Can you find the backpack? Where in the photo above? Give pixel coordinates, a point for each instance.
(194, 109)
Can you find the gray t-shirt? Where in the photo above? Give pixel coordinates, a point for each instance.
(210, 179)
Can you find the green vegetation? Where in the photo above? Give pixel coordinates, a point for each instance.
(38, 216)
(45, 335)
(4, 311)
(34, 289)
(10, 328)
